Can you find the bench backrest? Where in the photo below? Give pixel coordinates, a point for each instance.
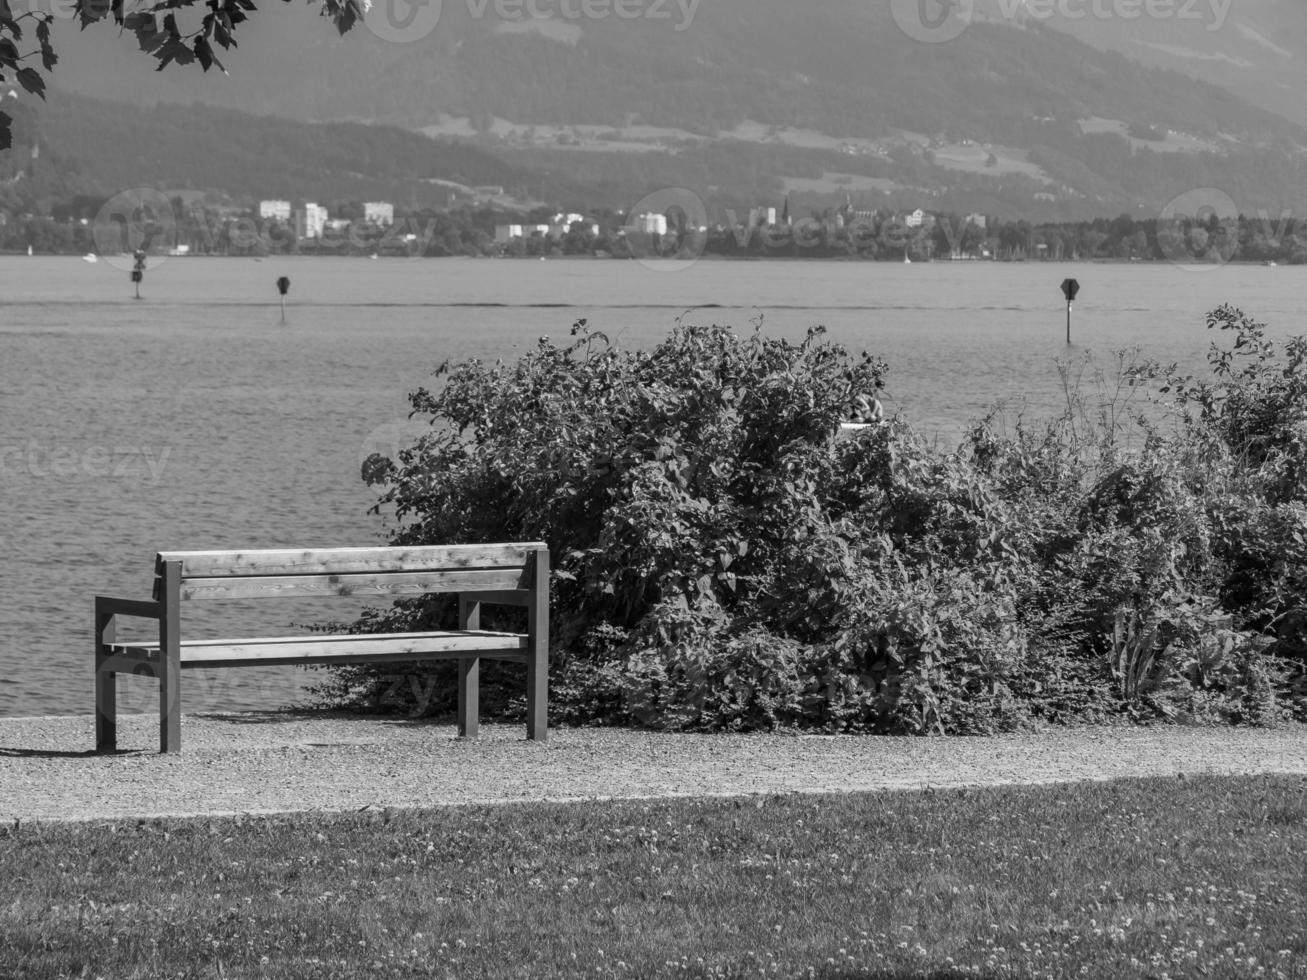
(364, 572)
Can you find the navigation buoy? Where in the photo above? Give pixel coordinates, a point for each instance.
(138, 270)
(283, 287)
(1069, 289)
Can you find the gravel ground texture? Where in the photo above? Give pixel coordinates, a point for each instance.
(284, 762)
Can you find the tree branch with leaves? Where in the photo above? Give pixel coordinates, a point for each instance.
(155, 26)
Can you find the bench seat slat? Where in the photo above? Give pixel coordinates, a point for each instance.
(348, 561)
(379, 648)
(381, 584)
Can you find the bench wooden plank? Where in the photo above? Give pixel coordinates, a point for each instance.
(328, 649)
(383, 584)
(348, 561)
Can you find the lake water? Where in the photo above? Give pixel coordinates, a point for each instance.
(193, 420)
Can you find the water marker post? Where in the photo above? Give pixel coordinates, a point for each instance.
(283, 287)
(1069, 289)
(138, 270)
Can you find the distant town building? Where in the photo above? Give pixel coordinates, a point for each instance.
(771, 217)
(564, 223)
(274, 210)
(310, 221)
(379, 212)
(506, 233)
(652, 224)
(915, 219)
(977, 219)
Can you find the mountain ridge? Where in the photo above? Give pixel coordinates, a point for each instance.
(831, 100)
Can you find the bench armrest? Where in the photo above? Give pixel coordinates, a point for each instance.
(106, 605)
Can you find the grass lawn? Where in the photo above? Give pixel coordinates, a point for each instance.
(1141, 878)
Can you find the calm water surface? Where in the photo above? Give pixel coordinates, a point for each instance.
(193, 420)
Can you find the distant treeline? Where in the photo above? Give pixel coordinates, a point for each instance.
(71, 229)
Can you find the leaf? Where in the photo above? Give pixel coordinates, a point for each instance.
(205, 55)
(31, 80)
(48, 57)
(89, 11)
(174, 49)
(146, 28)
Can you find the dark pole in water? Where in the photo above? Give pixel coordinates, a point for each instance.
(283, 287)
(1069, 289)
(138, 270)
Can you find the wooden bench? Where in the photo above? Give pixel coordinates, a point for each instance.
(509, 574)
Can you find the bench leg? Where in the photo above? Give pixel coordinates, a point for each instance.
(170, 710)
(170, 661)
(469, 672)
(106, 686)
(537, 701)
(469, 696)
(106, 708)
(537, 660)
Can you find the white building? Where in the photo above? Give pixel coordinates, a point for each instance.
(915, 219)
(379, 212)
(310, 221)
(977, 219)
(652, 224)
(274, 210)
(506, 233)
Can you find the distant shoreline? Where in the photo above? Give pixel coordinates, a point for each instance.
(706, 257)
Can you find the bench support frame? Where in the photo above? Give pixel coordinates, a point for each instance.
(165, 662)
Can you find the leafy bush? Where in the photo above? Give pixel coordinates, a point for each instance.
(723, 558)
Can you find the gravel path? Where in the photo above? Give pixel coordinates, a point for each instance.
(278, 762)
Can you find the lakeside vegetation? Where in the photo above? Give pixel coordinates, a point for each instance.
(1153, 877)
(722, 560)
(207, 228)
